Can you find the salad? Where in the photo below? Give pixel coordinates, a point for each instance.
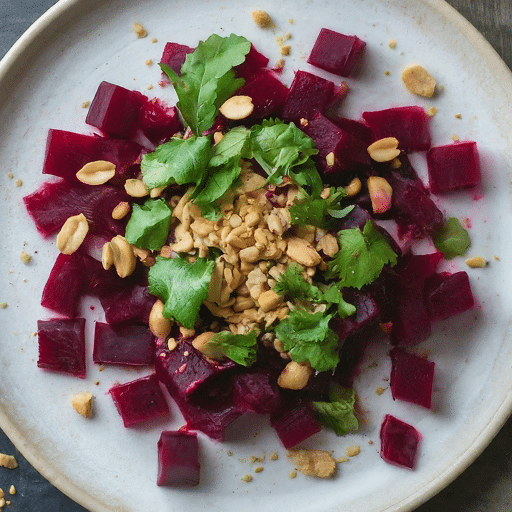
(243, 255)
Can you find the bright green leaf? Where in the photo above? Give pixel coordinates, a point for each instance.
(452, 239)
(338, 413)
(240, 348)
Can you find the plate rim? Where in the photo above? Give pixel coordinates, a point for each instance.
(42, 28)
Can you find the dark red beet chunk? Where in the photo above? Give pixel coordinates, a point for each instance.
(139, 400)
(253, 62)
(398, 442)
(158, 121)
(335, 52)
(355, 128)
(415, 268)
(126, 344)
(68, 152)
(174, 56)
(62, 291)
(410, 125)
(257, 391)
(51, 204)
(267, 92)
(308, 95)
(453, 167)
(115, 110)
(348, 151)
(411, 378)
(178, 459)
(448, 295)
(62, 345)
(295, 423)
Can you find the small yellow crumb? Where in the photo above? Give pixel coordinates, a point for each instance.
(150, 86)
(149, 62)
(253, 459)
(286, 49)
(247, 478)
(287, 36)
(458, 116)
(10, 175)
(171, 344)
(392, 43)
(455, 138)
(154, 40)
(82, 403)
(290, 21)
(86, 104)
(25, 257)
(370, 441)
(432, 111)
(229, 453)
(279, 64)
(140, 30)
(304, 122)
(330, 159)
(97, 382)
(8, 461)
(259, 469)
(340, 460)
(496, 258)
(2, 502)
(19, 183)
(2, 494)
(12, 490)
(261, 18)
(242, 460)
(279, 40)
(476, 262)
(396, 164)
(274, 456)
(318, 463)
(387, 73)
(379, 391)
(353, 450)
(3, 305)
(418, 81)
(292, 474)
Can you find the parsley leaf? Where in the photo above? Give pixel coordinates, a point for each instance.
(240, 348)
(308, 339)
(149, 223)
(361, 257)
(338, 413)
(279, 146)
(182, 286)
(452, 239)
(207, 79)
(178, 161)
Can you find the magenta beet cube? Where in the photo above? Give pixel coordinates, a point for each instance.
(335, 52)
(349, 152)
(253, 63)
(411, 378)
(125, 344)
(174, 56)
(139, 400)
(65, 284)
(268, 93)
(158, 121)
(115, 110)
(418, 267)
(68, 152)
(453, 167)
(308, 95)
(448, 295)
(295, 423)
(62, 345)
(178, 459)
(410, 125)
(356, 128)
(257, 391)
(399, 442)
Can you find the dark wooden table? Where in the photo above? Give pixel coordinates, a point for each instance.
(486, 486)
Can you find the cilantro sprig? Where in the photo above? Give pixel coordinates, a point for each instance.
(338, 412)
(240, 348)
(452, 239)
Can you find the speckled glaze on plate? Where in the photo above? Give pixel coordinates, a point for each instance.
(44, 80)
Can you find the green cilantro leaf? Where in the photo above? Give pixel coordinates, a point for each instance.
(308, 339)
(279, 146)
(149, 223)
(182, 286)
(178, 161)
(361, 257)
(452, 239)
(240, 348)
(333, 295)
(338, 413)
(207, 79)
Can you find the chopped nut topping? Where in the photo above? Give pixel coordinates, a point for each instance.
(8, 461)
(247, 478)
(318, 463)
(82, 403)
(86, 104)
(261, 18)
(19, 183)
(353, 450)
(286, 49)
(418, 81)
(432, 111)
(140, 30)
(25, 257)
(476, 262)
(392, 43)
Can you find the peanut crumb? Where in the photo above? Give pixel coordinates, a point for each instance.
(10, 175)
(318, 463)
(140, 30)
(293, 474)
(86, 103)
(476, 262)
(387, 73)
(171, 344)
(274, 456)
(12, 490)
(97, 382)
(286, 49)
(340, 460)
(458, 116)
(229, 453)
(25, 257)
(418, 81)
(496, 258)
(353, 450)
(19, 183)
(154, 40)
(82, 403)
(254, 459)
(2, 494)
(2, 502)
(150, 87)
(247, 478)
(432, 111)
(370, 441)
(3, 305)
(279, 64)
(379, 391)
(287, 36)
(8, 461)
(290, 21)
(261, 18)
(259, 469)
(149, 62)
(455, 138)
(392, 43)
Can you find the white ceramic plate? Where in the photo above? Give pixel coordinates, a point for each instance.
(59, 63)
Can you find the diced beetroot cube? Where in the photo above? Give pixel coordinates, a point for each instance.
(125, 344)
(252, 64)
(335, 52)
(267, 92)
(178, 459)
(174, 56)
(139, 400)
(415, 268)
(308, 95)
(398, 442)
(355, 219)
(453, 167)
(295, 423)
(62, 291)
(348, 151)
(356, 128)
(257, 391)
(411, 378)
(410, 125)
(62, 345)
(115, 110)
(158, 121)
(68, 152)
(448, 295)
(51, 204)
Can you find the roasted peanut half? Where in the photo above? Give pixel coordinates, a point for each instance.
(237, 107)
(294, 376)
(97, 172)
(158, 324)
(124, 259)
(384, 150)
(72, 234)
